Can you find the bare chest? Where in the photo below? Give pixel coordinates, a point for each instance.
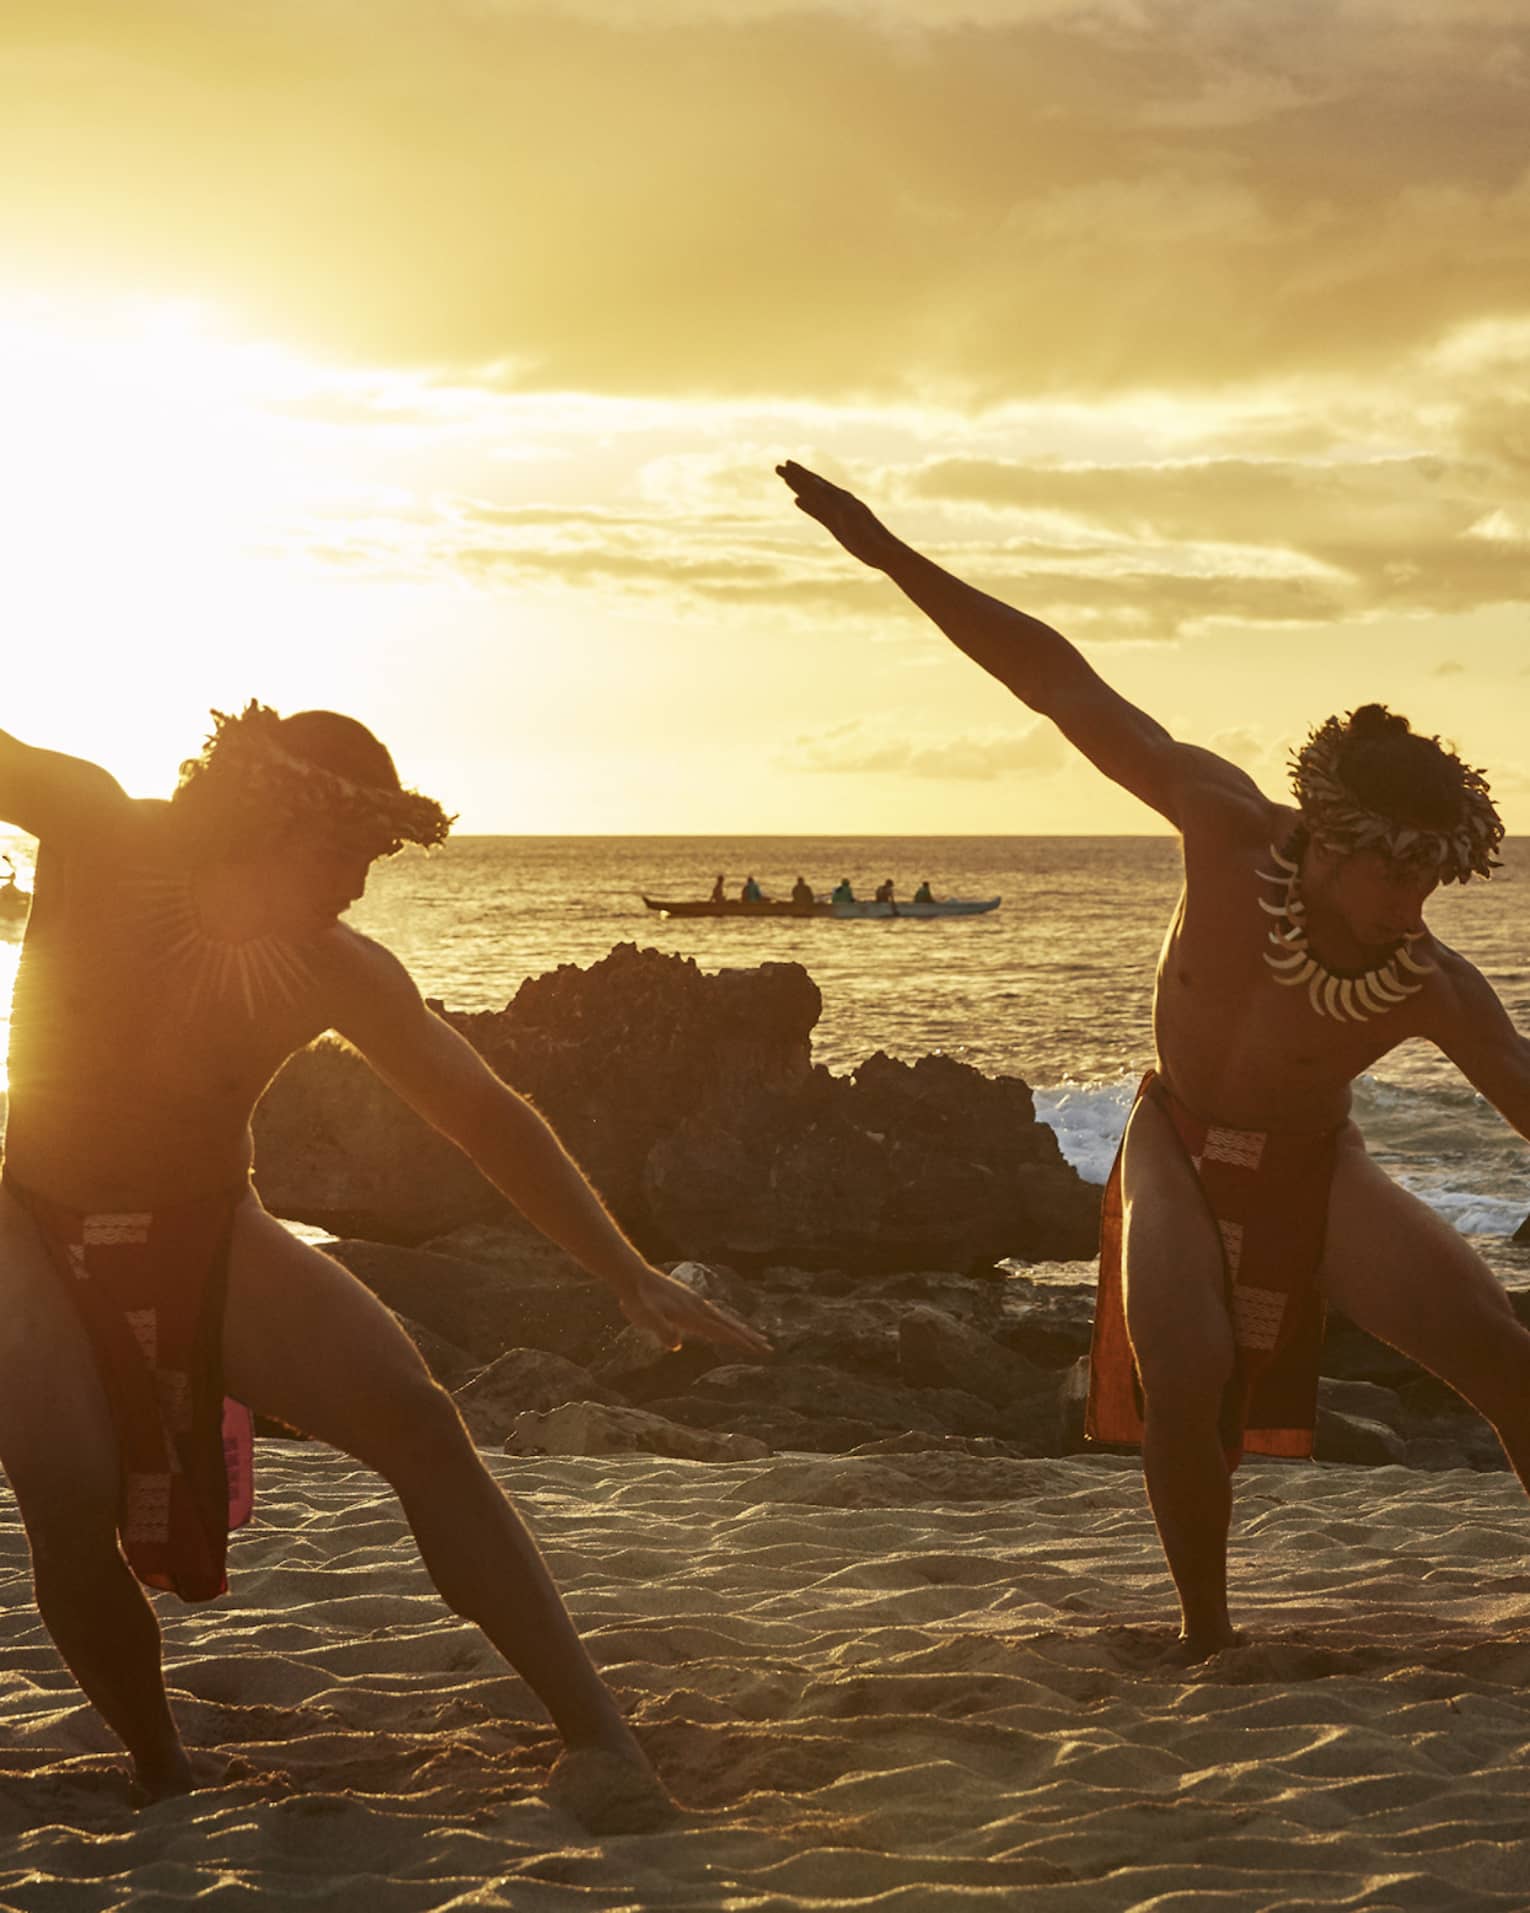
(122, 982)
(1248, 1014)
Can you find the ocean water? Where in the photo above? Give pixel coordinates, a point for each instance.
(1054, 986)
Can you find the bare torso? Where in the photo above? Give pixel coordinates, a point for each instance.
(1232, 1043)
(140, 1046)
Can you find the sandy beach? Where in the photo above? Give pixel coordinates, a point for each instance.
(890, 1680)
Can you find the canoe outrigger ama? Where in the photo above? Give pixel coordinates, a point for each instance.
(822, 907)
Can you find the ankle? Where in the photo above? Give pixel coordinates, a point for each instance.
(164, 1773)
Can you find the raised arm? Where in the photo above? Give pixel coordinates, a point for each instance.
(1036, 663)
(51, 796)
(441, 1075)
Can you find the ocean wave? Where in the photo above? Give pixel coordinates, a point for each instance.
(1088, 1121)
(1469, 1210)
(1447, 1145)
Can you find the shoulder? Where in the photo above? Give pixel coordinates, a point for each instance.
(1221, 808)
(365, 994)
(1459, 992)
(357, 972)
(1458, 1009)
(1464, 1017)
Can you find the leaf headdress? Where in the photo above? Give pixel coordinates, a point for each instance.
(245, 760)
(1340, 819)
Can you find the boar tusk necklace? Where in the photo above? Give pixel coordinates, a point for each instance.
(1346, 996)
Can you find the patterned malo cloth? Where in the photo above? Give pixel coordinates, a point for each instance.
(1268, 1197)
(150, 1290)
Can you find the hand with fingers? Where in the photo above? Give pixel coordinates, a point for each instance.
(674, 1314)
(841, 514)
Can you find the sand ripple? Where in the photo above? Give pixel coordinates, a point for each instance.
(891, 1682)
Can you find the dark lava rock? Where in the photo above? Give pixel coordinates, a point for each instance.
(934, 1351)
(522, 1380)
(487, 1309)
(1369, 1444)
(692, 1102)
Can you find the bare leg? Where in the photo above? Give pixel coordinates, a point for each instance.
(1402, 1273)
(58, 1449)
(307, 1343)
(1190, 1492)
(108, 1635)
(1177, 1320)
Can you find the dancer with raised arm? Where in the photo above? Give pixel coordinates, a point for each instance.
(1243, 1199)
(178, 952)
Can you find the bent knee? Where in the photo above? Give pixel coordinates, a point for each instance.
(1184, 1404)
(416, 1431)
(72, 1557)
(1185, 1378)
(1497, 1382)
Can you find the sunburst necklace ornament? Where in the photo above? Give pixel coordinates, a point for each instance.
(1353, 995)
(257, 974)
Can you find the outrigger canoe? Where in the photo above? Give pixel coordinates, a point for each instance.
(821, 907)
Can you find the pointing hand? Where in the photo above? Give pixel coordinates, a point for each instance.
(841, 514)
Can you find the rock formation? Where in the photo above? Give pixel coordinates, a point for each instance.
(855, 1220)
(693, 1103)
(994, 1362)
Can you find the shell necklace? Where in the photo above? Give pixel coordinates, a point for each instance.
(1355, 994)
(258, 974)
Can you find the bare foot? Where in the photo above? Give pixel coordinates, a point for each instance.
(1191, 1649)
(154, 1781)
(182, 1773)
(608, 1792)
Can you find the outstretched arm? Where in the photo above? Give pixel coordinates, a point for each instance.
(441, 1075)
(1035, 662)
(49, 795)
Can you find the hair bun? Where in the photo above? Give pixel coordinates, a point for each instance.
(1375, 720)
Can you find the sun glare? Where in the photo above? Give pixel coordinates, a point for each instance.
(153, 468)
(124, 439)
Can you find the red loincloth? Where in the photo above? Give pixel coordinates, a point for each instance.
(1268, 1196)
(150, 1290)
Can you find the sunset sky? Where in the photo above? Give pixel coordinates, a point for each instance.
(429, 359)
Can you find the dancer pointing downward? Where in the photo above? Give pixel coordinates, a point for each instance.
(177, 954)
(1243, 1198)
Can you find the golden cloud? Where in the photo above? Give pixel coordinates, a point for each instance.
(855, 748)
(983, 200)
(1279, 539)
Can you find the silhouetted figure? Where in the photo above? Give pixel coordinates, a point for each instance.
(885, 890)
(802, 891)
(842, 892)
(719, 894)
(751, 892)
(1243, 1199)
(923, 893)
(179, 952)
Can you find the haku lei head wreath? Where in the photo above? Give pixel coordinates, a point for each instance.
(1339, 818)
(249, 761)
